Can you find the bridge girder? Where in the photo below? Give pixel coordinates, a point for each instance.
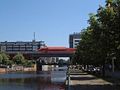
(36, 55)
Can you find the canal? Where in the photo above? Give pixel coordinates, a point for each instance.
(44, 80)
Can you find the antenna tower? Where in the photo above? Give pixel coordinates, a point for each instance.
(34, 36)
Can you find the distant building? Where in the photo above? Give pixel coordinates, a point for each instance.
(21, 46)
(74, 40)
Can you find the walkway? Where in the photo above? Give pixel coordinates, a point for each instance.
(84, 81)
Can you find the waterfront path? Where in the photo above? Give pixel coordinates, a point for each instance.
(84, 81)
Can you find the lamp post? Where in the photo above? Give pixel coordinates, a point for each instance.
(68, 75)
(113, 64)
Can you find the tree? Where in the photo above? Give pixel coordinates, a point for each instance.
(1, 59)
(5, 58)
(109, 17)
(27, 63)
(19, 59)
(100, 41)
(61, 62)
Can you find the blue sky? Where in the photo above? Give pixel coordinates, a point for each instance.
(52, 20)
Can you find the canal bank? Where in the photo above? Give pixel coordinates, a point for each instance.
(80, 80)
(16, 68)
(3, 70)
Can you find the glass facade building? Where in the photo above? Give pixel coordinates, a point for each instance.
(74, 40)
(21, 46)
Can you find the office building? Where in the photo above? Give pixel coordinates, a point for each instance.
(74, 40)
(21, 46)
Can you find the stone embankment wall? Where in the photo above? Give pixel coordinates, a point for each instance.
(18, 68)
(3, 70)
(30, 68)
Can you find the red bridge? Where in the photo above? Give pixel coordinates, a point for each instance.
(57, 51)
(46, 52)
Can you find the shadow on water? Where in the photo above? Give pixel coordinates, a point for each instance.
(28, 81)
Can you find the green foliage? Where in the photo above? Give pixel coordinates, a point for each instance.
(19, 59)
(28, 63)
(100, 42)
(4, 58)
(61, 62)
(9, 62)
(1, 58)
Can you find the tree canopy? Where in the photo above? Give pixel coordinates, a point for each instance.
(100, 41)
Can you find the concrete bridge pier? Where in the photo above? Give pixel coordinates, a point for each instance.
(38, 66)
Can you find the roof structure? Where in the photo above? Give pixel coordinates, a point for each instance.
(57, 49)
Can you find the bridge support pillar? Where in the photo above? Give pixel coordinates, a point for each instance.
(38, 66)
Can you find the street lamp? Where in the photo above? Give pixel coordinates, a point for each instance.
(113, 64)
(68, 75)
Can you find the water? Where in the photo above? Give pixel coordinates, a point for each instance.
(59, 74)
(31, 81)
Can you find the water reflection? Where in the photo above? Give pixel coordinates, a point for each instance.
(29, 81)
